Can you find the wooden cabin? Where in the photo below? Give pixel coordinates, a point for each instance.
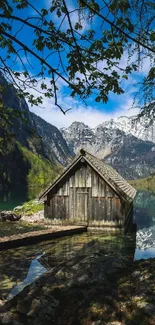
(89, 192)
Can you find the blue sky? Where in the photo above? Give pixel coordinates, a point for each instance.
(92, 114)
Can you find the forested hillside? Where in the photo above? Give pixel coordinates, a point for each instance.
(27, 161)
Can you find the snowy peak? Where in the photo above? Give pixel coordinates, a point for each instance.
(100, 142)
(126, 143)
(79, 135)
(79, 127)
(141, 128)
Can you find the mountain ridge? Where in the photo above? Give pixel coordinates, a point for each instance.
(126, 143)
(33, 132)
(140, 127)
(116, 146)
(29, 158)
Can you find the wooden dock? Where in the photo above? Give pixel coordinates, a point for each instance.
(41, 235)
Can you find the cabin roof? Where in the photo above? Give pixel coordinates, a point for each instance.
(108, 173)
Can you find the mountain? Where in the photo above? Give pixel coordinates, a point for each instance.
(134, 158)
(55, 146)
(31, 150)
(33, 132)
(101, 141)
(142, 128)
(126, 143)
(79, 135)
(131, 156)
(23, 174)
(145, 184)
(19, 106)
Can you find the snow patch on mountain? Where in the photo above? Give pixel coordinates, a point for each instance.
(141, 128)
(126, 143)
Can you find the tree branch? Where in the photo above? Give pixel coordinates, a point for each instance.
(117, 28)
(26, 48)
(25, 22)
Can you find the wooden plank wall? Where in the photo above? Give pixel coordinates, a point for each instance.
(83, 197)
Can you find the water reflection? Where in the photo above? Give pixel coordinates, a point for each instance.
(145, 204)
(20, 267)
(10, 199)
(144, 217)
(144, 254)
(35, 270)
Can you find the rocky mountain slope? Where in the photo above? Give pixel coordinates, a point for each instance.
(33, 132)
(79, 135)
(141, 128)
(134, 158)
(130, 155)
(101, 141)
(54, 145)
(125, 143)
(31, 150)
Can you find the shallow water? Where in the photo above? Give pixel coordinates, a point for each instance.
(21, 266)
(9, 199)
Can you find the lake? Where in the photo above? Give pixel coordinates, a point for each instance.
(21, 266)
(9, 199)
(144, 217)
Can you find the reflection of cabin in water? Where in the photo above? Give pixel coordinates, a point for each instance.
(74, 250)
(89, 192)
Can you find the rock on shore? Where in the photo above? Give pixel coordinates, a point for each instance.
(37, 217)
(31, 211)
(9, 216)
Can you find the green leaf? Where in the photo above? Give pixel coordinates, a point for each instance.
(152, 37)
(44, 12)
(98, 99)
(58, 12)
(151, 74)
(125, 76)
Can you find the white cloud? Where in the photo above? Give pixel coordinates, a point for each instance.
(90, 115)
(143, 66)
(126, 60)
(75, 17)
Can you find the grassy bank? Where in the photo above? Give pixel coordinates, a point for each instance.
(29, 208)
(9, 228)
(144, 184)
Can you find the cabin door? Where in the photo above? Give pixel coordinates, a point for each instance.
(79, 205)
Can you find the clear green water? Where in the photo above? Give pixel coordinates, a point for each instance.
(9, 199)
(21, 266)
